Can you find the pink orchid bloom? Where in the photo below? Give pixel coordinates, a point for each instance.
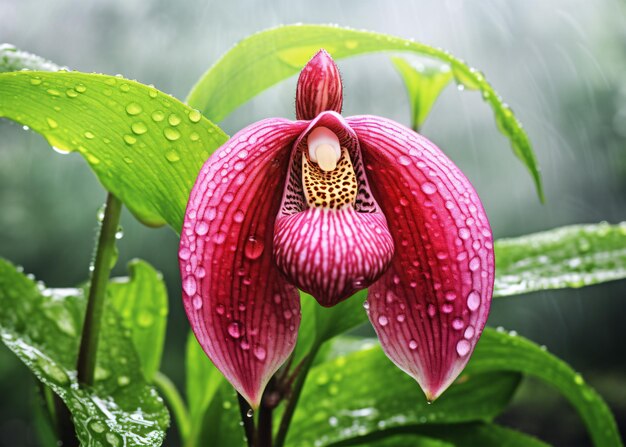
(331, 205)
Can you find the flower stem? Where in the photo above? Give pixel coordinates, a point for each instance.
(281, 436)
(105, 251)
(246, 419)
(175, 402)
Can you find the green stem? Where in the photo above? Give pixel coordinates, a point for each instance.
(105, 251)
(175, 402)
(281, 436)
(247, 420)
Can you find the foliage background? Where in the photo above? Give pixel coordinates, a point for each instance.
(559, 64)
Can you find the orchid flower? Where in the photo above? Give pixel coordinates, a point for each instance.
(332, 205)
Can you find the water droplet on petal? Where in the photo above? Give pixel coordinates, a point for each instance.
(463, 347)
(474, 264)
(404, 160)
(469, 332)
(197, 302)
(259, 352)
(253, 248)
(202, 228)
(238, 216)
(189, 285)
(172, 156)
(220, 309)
(429, 188)
(158, 116)
(464, 233)
(235, 329)
(412, 345)
(473, 300)
(457, 324)
(383, 320)
(250, 413)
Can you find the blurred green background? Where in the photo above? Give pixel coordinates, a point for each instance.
(560, 65)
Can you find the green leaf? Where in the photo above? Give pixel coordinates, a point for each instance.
(12, 59)
(265, 58)
(469, 434)
(424, 85)
(144, 146)
(203, 380)
(499, 351)
(141, 301)
(363, 392)
(572, 256)
(42, 327)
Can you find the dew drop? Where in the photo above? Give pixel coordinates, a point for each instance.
(457, 324)
(412, 345)
(219, 237)
(253, 248)
(194, 116)
(202, 228)
(474, 264)
(383, 320)
(366, 305)
(139, 128)
(173, 119)
(89, 135)
(400, 318)
(197, 302)
(469, 332)
(133, 109)
(220, 309)
(464, 233)
(235, 329)
(71, 93)
(158, 116)
(429, 188)
(52, 123)
(249, 413)
(172, 156)
(171, 134)
(463, 347)
(260, 353)
(189, 285)
(238, 216)
(447, 308)
(431, 310)
(450, 296)
(404, 160)
(129, 139)
(473, 300)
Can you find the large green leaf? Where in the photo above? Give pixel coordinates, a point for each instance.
(363, 392)
(270, 56)
(141, 301)
(470, 434)
(12, 59)
(42, 327)
(145, 146)
(203, 381)
(573, 256)
(424, 84)
(501, 351)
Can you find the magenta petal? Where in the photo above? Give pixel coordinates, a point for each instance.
(242, 311)
(430, 307)
(319, 87)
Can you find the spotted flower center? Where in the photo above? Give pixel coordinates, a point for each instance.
(329, 189)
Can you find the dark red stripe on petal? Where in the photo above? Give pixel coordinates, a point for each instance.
(244, 314)
(319, 87)
(430, 307)
(332, 253)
